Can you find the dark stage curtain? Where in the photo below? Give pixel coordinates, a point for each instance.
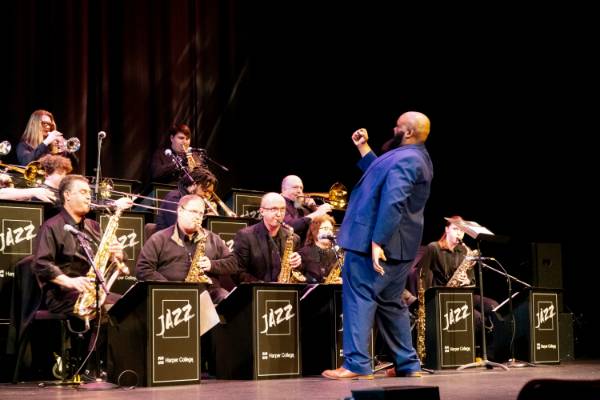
(130, 68)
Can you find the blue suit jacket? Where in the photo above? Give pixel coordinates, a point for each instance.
(386, 205)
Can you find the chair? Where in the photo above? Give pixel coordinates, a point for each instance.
(25, 311)
(149, 230)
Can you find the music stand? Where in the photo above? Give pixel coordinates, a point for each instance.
(479, 233)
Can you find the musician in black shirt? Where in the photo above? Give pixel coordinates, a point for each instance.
(60, 262)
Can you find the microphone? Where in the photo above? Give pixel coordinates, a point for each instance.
(101, 135)
(75, 231)
(323, 236)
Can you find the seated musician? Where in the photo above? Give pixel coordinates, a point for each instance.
(300, 210)
(56, 168)
(60, 262)
(168, 254)
(202, 183)
(439, 264)
(177, 140)
(259, 248)
(318, 255)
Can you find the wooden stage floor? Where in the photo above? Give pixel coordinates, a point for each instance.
(477, 383)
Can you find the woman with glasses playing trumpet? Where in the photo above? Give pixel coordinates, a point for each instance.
(41, 137)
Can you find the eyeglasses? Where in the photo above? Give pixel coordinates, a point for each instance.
(197, 212)
(47, 124)
(275, 210)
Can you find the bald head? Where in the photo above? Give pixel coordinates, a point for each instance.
(271, 200)
(415, 126)
(292, 187)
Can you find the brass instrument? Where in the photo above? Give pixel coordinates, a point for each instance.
(287, 274)
(337, 196)
(460, 277)
(195, 273)
(421, 319)
(61, 145)
(228, 211)
(5, 179)
(191, 161)
(5, 147)
(336, 270)
(33, 172)
(85, 306)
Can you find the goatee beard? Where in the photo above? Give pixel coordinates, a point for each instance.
(393, 143)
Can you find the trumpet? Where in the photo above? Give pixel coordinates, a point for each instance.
(61, 145)
(337, 196)
(5, 147)
(33, 172)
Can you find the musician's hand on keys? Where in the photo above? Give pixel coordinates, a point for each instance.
(79, 283)
(204, 264)
(295, 260)
(116, 249)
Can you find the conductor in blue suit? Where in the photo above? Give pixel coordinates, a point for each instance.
(381, 232)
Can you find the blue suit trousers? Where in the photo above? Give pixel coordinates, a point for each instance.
(368, 297)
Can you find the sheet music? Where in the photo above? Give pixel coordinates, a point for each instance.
(471, 228)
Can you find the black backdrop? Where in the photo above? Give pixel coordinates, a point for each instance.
(271, 90)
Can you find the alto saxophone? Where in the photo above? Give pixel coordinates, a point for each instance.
(85, 306)
(460, 277)
(421, 319)
(195, 273)
(287, 274)
(336, 269)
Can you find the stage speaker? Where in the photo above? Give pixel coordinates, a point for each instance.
(397, 392)
(537, 389)
(547, 265)
(566, 338)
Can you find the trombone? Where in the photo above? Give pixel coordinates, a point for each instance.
(105, 190)
(33, 172)
(337, 196)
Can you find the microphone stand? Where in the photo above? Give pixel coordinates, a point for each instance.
(98, 174)
(99, 383)
(204, 155)
(484, 360)
(512, 361)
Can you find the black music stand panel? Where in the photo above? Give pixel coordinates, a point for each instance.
(259, 336)
(321, 328)
(449, 337)
(159, 191)
(245, 203)
(153, 338)
(226, 227)
(131, 235)
(19, 225)
(20, 222)
(537, 326)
